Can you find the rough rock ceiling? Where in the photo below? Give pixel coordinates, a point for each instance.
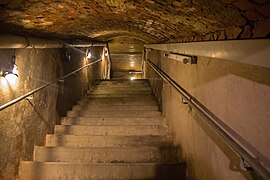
(149, 20)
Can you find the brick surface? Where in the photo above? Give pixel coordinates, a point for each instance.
(261, 29)
(252, 15)
(153, 21)
(244, 4)
(264, 10)
(247, 32)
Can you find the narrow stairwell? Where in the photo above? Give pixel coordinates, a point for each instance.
(116, 132)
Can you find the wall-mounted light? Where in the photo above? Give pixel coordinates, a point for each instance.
(148, 49)
(10, 71)
(88, 54)
(132, 78)
(106, 52)
(132, 63)
(185, 59)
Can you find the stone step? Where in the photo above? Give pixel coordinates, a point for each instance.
(115, 107)
(123, 82)
(109, 95)
(115, 113)
(106, 141)
(110, 130)
(80, 171)
(121, 99)
(121, 88)
(111, 90)
(116, 101)
(127, 86)
(106, 155)
(111, 121)
(126, 91)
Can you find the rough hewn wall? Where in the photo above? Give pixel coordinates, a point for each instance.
(22, 125)
(237, 93)
(149, 20)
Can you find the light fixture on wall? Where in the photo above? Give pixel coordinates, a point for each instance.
(10, 71)
(88, 54)
(106, 52)
(185, 59)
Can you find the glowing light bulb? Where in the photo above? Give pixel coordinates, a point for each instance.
(12, 79)
(4, 83)
(132, 78)
(15, 70)
(89, 55)
(106, 53)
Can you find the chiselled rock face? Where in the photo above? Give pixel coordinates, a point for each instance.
(152, 21)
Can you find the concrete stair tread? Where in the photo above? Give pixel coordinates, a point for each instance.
(81, 171)
(106, 155)
(106, 141)
(108, 164)
(115, 107)
(111, 121)
(110, 130)
(140, 98)
(120, 91)
(117, 101)
(115, 132)
(123, 88)
(119, 95)
(115, 113)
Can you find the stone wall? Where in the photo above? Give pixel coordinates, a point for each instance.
(25, 124)
(236, 93)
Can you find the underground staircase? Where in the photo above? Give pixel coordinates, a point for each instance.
(116, 132)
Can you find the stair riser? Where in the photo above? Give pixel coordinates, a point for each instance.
(119, 95)
(53, 171)
(114, 114)
(123, 81)
(135, 98)
(110, 130)
(105, 141)
(116, 103)
(111, 121)
(112, 108)
(123, 84)
(127, 91)
(106, 155)
(120, 89)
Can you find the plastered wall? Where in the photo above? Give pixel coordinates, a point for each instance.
(238, 94)
(25, 124)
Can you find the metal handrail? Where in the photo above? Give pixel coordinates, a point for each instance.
(14, 101)
(209, 118)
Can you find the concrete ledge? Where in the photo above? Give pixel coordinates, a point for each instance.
(254, 52)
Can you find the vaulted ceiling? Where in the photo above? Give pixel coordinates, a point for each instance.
(153, 21)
